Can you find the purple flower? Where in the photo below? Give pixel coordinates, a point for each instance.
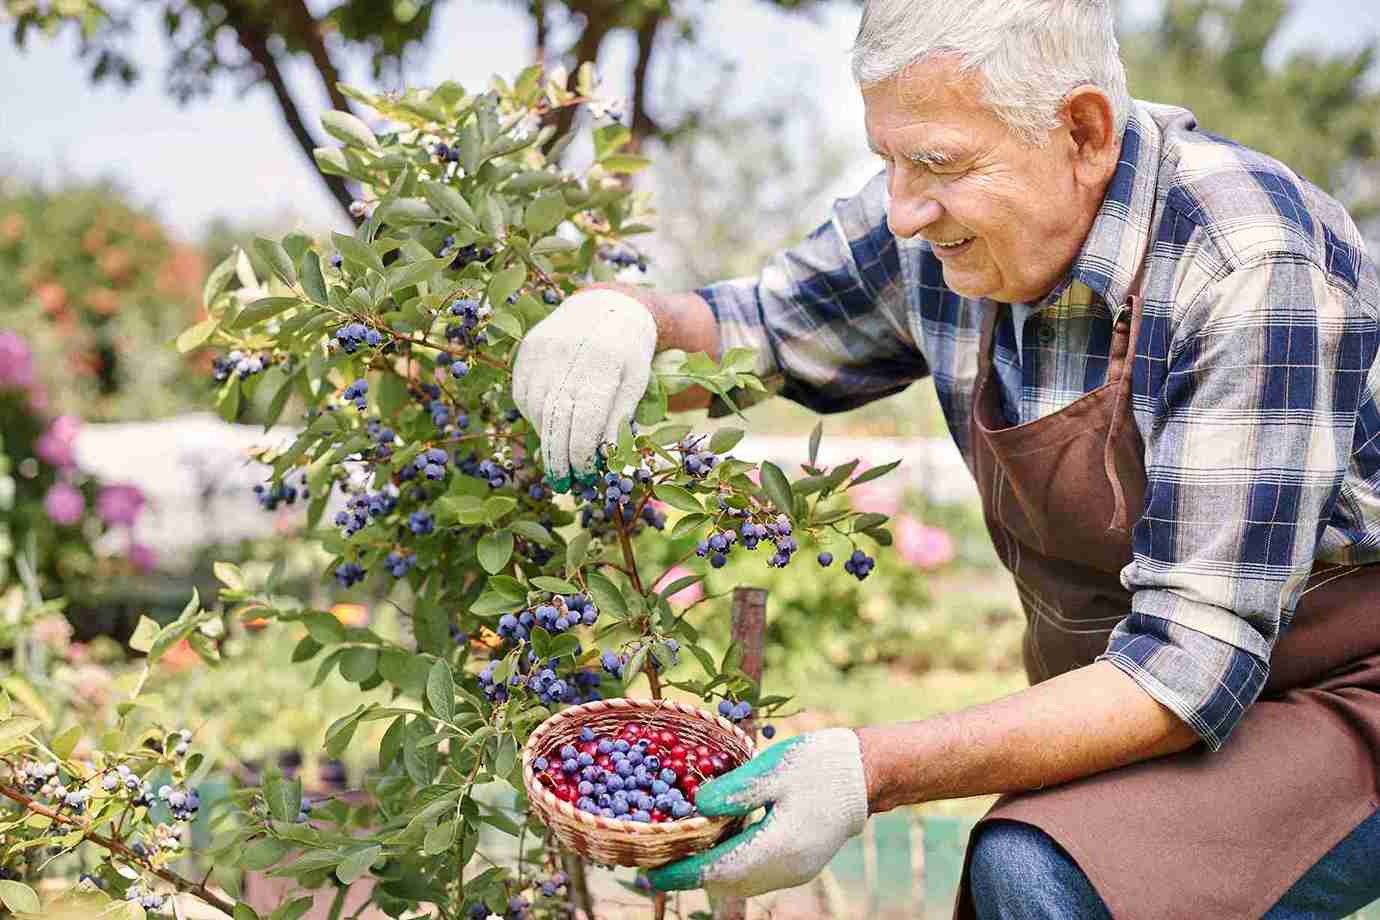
(142, 557)
(64, 504)
(57, 444)
(119, 504)
(16, 362)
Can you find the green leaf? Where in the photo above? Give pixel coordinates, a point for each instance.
(609, 139)
(358, 252)
(440, 690)
(625, 163)
(606, 595)
(354, 865)
(331, 161)
(14, 728)
(880, 534)
(350, 131)
(413, 273)
(259, 855)
(264, 308)
(778, 488)
(545, 213)
(272, 252)
(507, 322)
(678, 498)
(64, 744)
(194, 337)
(359, 663)
(313, 281)
(392, 742)
(874, 473)
(19, 898)
(229, 575)
(144, 634)
(680, 584)
(868, 521)
(814, 441)
(554, 585)
(439, 838)
(284, 797)
(577, 551)
(724, 440)
(531, 530)
(687, 524)
(324, 628)
(497, 506)
(404, 211)
(505, 283)
(495, 549)
(293, 910)
(218, 279)
(449, 202)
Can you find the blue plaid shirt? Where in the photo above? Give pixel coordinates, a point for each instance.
(1255, 382)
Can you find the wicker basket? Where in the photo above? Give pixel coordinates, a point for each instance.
(628, 843)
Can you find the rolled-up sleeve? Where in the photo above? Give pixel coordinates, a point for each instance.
(827, 317)
(1252, 436)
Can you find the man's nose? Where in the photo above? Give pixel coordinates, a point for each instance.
(908, 215)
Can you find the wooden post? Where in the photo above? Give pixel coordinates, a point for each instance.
(749, 632)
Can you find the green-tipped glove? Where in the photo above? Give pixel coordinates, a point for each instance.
(815, 793)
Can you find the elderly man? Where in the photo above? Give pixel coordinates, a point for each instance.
(1156, 351)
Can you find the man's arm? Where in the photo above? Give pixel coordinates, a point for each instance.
(1089, 720)
(683, 321)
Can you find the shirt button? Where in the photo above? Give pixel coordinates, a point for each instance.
(1046, 333)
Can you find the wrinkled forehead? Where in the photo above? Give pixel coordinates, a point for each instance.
(933, 91)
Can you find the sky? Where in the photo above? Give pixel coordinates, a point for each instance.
(231, 156)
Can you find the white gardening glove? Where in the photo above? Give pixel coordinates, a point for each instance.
(816, 797)
(580, 373)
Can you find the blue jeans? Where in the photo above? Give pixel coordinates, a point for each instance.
(1019, 873)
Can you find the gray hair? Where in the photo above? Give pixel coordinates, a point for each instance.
(1029, 53)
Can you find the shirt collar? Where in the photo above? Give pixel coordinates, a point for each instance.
(1116, 244)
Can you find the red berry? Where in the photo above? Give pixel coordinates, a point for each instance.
(652, 748)
(667, 737)
(702, 750)
(719, 764)
(589, 747)
(678, 751)
(564, 793)
(657, 816)
(603, 761)
(632, 728)
(691, 788)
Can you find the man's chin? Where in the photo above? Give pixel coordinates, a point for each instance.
(966, 284)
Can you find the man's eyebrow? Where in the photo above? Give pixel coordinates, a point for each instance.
(933, 157)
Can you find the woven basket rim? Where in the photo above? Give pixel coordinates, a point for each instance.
(629, 829)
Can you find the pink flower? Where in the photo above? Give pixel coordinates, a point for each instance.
(143, 558)
(64, 504)
(685, 596)
(16, 362)
(119, 504)
(57, 444)
(875, 497)
(922, 546)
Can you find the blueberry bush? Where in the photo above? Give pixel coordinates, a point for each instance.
(424, 482)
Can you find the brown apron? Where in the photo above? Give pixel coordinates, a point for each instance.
(1196, 834)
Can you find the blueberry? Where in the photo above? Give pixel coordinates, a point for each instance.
(826, 559)
(769, 732)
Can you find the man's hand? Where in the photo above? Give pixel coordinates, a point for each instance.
(579, 374)
(816, 798)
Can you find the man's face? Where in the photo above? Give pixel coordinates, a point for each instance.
(1015, 216)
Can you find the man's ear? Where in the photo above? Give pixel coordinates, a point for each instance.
(1087, 114)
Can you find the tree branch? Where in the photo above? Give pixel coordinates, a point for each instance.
(642, 124)
(125, 853)
(309, 29)
(253, 37)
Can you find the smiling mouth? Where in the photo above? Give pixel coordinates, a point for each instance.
(952, 247)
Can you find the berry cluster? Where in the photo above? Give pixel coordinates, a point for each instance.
(555, 617)
(280, 493)
(399, 563)
(357, 393)
(421, 523)
(181, 801)
(778, 532)
(144, 899)
(352, 335)
(623, 258)
(735, 712)
(465, 254)
(640, 774)
(383, 439)
(431, 463)
(614, 497)
(360, 508)
(859, 565)
(491, 470)
(348, 574)
(445, 153)
(237, 362)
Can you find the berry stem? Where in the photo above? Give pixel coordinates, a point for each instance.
(119, 849)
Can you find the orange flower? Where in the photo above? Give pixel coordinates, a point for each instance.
(102, 300)
(52, 297)
(11, 228)
(180, 657)
(351, 614)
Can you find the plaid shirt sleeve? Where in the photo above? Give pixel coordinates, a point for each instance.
(828, 316)
(1253, 434)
